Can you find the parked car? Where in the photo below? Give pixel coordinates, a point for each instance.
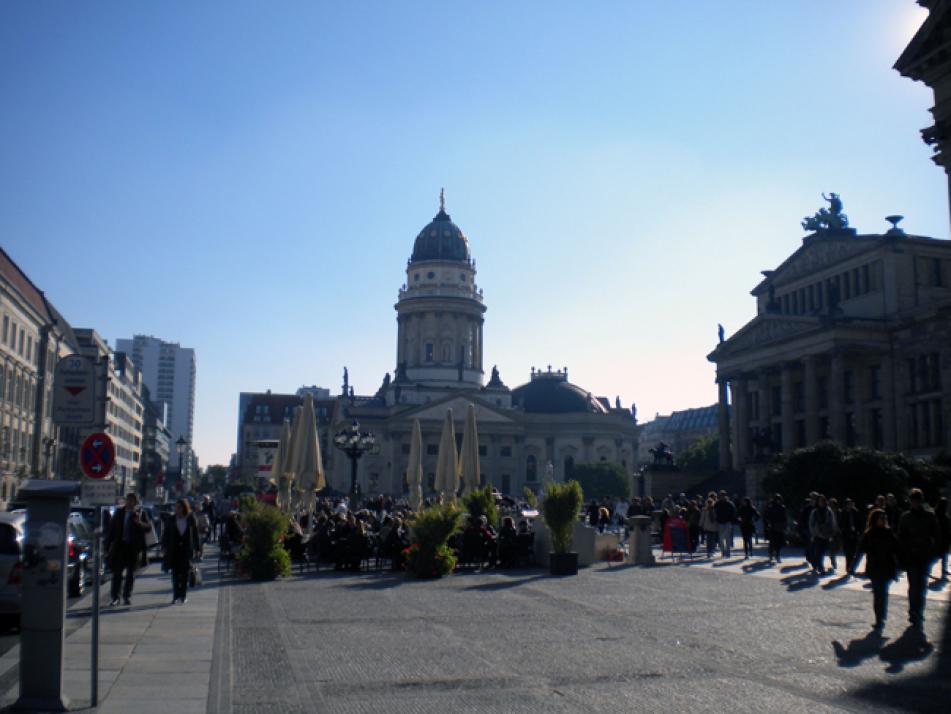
(79, 546)
(12, 529)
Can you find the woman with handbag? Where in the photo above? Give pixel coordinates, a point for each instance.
(182, 545)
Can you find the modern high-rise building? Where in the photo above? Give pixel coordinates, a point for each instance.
(168, 370)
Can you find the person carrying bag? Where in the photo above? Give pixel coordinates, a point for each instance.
(182, 546)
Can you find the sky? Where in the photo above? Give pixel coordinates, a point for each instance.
(248, 178)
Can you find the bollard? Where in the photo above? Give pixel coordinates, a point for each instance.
(44, 594)
(640, 551)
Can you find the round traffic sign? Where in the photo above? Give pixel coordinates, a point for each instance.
(97, 455)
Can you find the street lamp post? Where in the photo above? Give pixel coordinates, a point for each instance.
(354, 443)
(181, 446)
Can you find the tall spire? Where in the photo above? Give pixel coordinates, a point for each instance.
(442, 199)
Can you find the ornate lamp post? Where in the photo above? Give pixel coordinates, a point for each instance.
(354, 443)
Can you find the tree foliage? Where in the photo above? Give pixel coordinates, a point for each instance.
(560, 510)
(702, 455)
(602, 479)
(859, 473)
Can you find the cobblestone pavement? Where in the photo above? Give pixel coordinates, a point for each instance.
(612, 639)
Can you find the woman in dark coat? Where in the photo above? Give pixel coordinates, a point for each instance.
(182, 545)
(881, 549)
(748, 516)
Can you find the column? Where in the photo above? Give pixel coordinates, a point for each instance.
(836, 401)
(889, 413)
(765, 402)
(811, 393)
(859, 398)
(741, 423)
(723, 423)
(787, 408)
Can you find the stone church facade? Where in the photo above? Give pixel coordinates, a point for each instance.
(527, 434)
(851, 341)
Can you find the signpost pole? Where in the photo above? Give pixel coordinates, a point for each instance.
(97, 566)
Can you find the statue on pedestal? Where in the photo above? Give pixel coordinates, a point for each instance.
(827, 220)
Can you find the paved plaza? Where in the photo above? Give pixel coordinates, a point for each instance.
(703, 636)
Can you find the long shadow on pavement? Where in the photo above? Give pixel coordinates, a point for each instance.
(836, 582)
(757, 566)
(858, 650)
(800, 581)
(920, 693)
(510, 582)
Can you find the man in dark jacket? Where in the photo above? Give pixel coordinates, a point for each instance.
(725, 513)
(125, 545)
(918, 536)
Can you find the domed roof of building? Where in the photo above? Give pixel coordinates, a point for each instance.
(441, 239)
(552, 393)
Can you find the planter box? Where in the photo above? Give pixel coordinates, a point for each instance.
(563, 563)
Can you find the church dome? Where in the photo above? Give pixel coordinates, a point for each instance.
(441, 239)
(552, 393)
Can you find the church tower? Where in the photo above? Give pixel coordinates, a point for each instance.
(439, 312)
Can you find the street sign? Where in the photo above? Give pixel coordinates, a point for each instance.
(97, 455)
(74, 391)
(99, 492)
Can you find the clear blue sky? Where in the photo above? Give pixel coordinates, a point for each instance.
(248, 178)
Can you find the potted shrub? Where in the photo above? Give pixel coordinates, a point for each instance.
(262, 553)
(429, 556)
(481, 502)
(560, 510)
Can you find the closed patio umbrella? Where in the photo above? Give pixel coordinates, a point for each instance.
(305, 462)
(414, 470)
(469, 458)
(279, 468)
(447, 463)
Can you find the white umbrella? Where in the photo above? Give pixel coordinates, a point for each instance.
(447, 464)
(305, 462)
(414, 470)
(469, 458)
(279, 469)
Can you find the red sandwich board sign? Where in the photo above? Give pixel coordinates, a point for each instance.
(97, 455)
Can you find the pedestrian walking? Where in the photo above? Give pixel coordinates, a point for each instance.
(775, 519)
(881, 550)
(823, 528)
(125, 546)
(748, 516)
(182, 545)
(693, 524)
(804, 534)
(944, 535)
(850, 531)
(919, 536)
(708, 522)
(725, 513)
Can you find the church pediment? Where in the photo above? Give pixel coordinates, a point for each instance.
(818, 254)
(761, 332)
(436, 411)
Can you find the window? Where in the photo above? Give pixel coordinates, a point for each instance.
(6, 327)
(531, 468)
(505, 451)
(429, 351)
(29, 348)
(483, 450)
(404, 448)
(20, 345)
(823, 384)
(875, 421)
(875, 382)
(776, 406)
(848, 386)
(798, 397)
(13, 336)
(569, 467)
(432, 449)
(506, 483)
(430, 275)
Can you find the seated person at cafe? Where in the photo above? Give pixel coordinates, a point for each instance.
(508, 543)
